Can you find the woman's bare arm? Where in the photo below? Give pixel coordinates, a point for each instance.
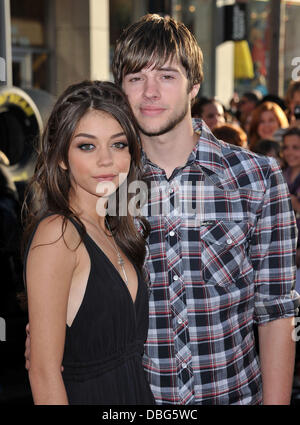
(49, 274)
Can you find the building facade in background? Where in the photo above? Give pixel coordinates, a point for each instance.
(57, 42)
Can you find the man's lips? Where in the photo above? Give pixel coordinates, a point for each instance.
(151, 110)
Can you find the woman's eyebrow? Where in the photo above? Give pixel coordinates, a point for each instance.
(118, 135)
(89, 136)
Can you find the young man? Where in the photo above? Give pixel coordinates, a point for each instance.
(222, 240)
(221, 266)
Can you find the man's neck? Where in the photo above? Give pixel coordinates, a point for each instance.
(170, 150)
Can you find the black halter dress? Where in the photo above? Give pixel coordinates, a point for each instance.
(104, 345)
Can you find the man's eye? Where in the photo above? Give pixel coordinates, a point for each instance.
(134, 79)
(86, 147)
(168, 77)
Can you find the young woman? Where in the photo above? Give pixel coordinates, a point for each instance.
(266, 119)
(88, 304)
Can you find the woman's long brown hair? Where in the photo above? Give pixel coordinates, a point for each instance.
(48, 192)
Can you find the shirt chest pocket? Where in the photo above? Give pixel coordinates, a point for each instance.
(224, 251)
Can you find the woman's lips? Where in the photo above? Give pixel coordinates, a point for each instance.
(105, 177)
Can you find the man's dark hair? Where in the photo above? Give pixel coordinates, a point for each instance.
(200, 103)
(197, 108)
(251, 96)
(274, 98)
(264, 146)
(291, 131)
(152, 41)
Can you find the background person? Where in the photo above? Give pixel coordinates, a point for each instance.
(247, 103)
(275, 99)
(266, 119)
(291, 157)
(292, 99)
(10, 231)
(210, 110)
(232, 134)
(269, 148)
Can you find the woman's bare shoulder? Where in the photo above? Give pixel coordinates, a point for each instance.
(57, 231)
(53, 251)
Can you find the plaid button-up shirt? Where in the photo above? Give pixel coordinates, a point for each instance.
(220, 259)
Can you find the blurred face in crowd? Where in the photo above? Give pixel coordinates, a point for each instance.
(213, 114)
(268, 125)
(291, 150)
(246, 106)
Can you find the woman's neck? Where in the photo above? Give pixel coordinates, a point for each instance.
(92, 211)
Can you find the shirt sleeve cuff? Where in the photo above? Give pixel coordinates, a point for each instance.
(267, 309)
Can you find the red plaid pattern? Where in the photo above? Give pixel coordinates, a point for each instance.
(221, 258)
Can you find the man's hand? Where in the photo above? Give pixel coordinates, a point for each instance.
(27, 349)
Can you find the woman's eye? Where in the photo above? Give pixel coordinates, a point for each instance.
(86, 147)
(120, 145)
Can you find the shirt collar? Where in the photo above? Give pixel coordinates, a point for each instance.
(208, 151)
(206, 154)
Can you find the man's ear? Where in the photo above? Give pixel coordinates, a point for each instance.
(194, 91)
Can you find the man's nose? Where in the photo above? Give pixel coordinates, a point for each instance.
(151, 88)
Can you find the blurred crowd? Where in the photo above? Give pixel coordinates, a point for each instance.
(270, 126)
(267, 125)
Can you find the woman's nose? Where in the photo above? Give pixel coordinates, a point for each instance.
(105, 157)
